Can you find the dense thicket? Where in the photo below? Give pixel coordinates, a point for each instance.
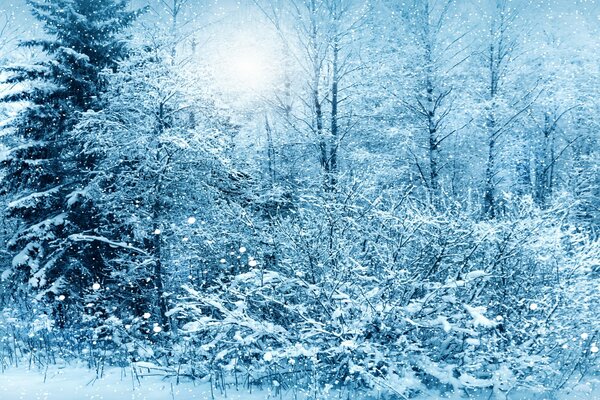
(411, 205)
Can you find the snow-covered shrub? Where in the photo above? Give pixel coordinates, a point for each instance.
(401, 299)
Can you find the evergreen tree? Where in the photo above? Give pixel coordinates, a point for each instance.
(45, 168)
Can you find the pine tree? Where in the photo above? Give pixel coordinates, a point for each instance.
(45, 168)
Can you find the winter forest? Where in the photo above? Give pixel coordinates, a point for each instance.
(300, 199)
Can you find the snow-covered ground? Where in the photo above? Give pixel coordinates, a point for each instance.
(80, 383)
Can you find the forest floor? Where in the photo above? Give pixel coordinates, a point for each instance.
(80, 383)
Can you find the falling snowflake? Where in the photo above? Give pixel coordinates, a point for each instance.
(191, 220)
(157, 232)
(242, 250)
(146, 315)
(533, 306)
(96, 286)
(252, 263)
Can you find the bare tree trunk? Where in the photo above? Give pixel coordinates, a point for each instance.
(174, 8)
(433, 145)
(157, 252)
(489, 205)
(489, 200)
(158, 272)
(333, 147)
(316, 93)
(270, 152)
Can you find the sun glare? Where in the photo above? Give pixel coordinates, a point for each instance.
(245, 64)
(249, 69)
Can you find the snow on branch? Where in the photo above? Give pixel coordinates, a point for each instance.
(78, 237)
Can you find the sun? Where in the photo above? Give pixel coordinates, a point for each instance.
(249, 70)
(244, 64)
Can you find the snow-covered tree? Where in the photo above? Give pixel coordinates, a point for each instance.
(158, 180)
(427, 83)
(506, 92)
(45, 169)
